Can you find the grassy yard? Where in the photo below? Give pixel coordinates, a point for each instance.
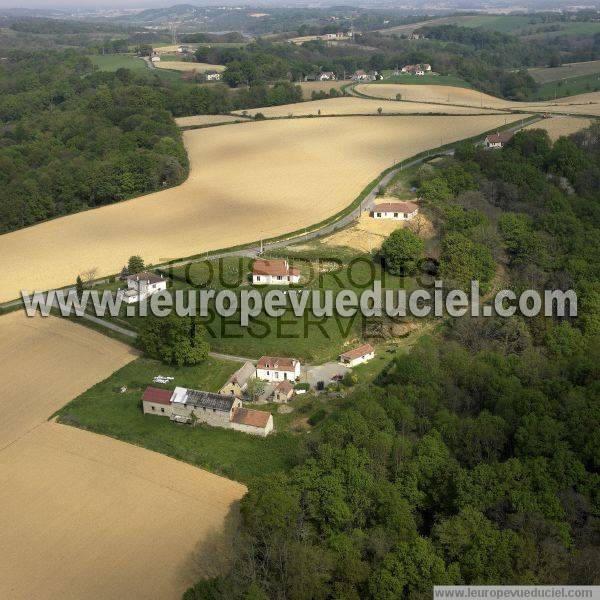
(112, 62)
(105, 410)
(568, 87)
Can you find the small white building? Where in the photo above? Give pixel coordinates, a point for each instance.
(213, 76)
(142, 285)
(155, 58)
(498, 139)
(276, 368)
(400, 211)
(357, 356)
(274, 272)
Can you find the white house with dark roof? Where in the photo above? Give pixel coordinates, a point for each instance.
(400, 211)
(142, 285)
(357, 356)
(274, 272)
(277, 368)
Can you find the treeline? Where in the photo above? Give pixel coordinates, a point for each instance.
(475, 458)
(72, 139)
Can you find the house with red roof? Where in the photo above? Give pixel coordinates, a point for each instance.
(274, 272)
(357, 356)
(400, 211)
(277, 368)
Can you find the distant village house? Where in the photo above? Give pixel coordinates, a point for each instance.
(277, 368)
(357, 356)
(326, 76)
(212, 76)
(274, 272)
(400, 211)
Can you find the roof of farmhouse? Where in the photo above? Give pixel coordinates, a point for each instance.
(358, 352)
(500, 137)
(248, 416)
(201, 399)
(146, 276)
(284, 386)
(273, 267)
(277, 363)
(401, 207)
(157, 395)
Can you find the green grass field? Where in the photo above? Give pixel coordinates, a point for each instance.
(105, 410)
(427, 79)
(568, 87)
(112, 62)
(568, 71)
(527, 26)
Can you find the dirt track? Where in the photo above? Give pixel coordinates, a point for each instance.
(247, 181)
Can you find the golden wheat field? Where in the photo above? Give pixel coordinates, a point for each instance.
(559, 125)
(352, 105)
(181, 65)
(308, 87)
(81, 514)
(586, 104)
(247, 181)
(206, 120)
(46, 361)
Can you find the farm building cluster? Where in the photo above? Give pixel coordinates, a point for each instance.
(184, 405)
(279, 376)
(419, 69)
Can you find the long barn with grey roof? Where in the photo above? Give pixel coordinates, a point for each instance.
(185, 405)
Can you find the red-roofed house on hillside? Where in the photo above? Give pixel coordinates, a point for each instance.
(498, 139)
(277, 368)
(357, 356)
(274, 272)
(401, 211)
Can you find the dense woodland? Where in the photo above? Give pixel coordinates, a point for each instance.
(475, 458)
(73, 138)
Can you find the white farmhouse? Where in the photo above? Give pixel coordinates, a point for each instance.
(326, 76)
(213, 76)
(400, 211)
(274, 272)
(357, 356)
(142, 285)
(276, 368)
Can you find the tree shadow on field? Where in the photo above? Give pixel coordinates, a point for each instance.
(213, 555)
